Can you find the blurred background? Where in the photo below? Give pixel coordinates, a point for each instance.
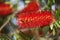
(8, 24)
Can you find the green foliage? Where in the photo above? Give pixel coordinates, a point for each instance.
(45, 30)
(57, 14)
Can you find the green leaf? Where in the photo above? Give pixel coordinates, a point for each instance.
(51, 26)
(56, 23)
(54, 32)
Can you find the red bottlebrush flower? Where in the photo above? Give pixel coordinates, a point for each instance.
(32, 6)
(5, 9)
(34, 20)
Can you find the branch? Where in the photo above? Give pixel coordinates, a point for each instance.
(8, 19)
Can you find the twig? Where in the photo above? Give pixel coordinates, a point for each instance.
(7, 21)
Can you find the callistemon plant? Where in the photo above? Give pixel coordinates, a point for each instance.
(31, 17)
(5, 9)
(34, 19)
